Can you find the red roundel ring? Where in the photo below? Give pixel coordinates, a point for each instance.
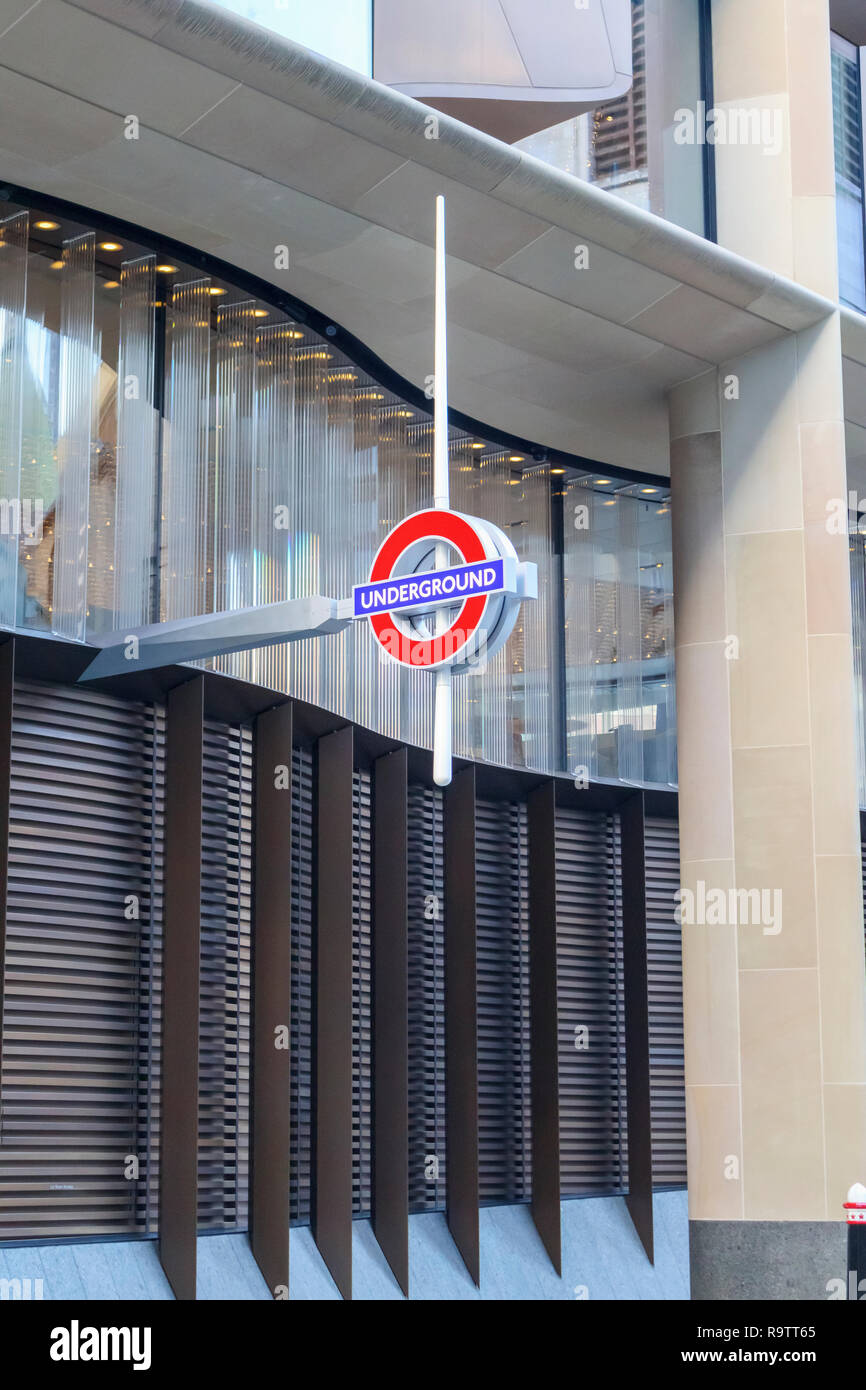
(431, 525)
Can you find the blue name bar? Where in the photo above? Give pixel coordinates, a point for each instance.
(432, 589)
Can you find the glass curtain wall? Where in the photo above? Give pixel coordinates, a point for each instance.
(172, 445)
(175, 446)
(619, 633)
(848, 147)
(630, 146)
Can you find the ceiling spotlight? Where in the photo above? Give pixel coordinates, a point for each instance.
(515, 458)
(110, 246)
(260, 313)
(557, 470)
(46, 226)
(602, 482)
(111, 285)
(649, 489)
(166, 269)
(56, 265)
(215, 289)
(476, 444)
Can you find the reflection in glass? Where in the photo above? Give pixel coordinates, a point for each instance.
(848, 148)
(628, 146)
(136, 446)
(14, 232)
(77, 383)
(196, 450)
(619, 650)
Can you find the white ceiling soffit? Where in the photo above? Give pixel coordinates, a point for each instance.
(248, 142)
(510, 67)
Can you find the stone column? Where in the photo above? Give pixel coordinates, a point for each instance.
(774, 985)
(775, 1008)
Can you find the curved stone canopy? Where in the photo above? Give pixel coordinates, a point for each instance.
(248, 142)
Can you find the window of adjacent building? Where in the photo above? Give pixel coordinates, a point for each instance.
(629, 146)
(847, 69)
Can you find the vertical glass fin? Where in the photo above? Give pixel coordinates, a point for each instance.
(184, 584)
(137, 438)
(13, 302)
(78, 369)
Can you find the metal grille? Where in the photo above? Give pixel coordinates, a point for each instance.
(80, 1079)
(362, 1042)
(503, 1001)
(302, 984)
(665, 986)
(426, 1001)
(81, 1067)
(224, 988)
(592, 1118)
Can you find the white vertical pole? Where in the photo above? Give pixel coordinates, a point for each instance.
(440, 368)
(441, 499)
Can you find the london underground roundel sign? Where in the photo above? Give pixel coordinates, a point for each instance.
(444, 590)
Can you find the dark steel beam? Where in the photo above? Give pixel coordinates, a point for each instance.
(391, 1012)
(461, 1021)
(332, 1197)
(636, 1002)
(178, 1165)
(543, 1032)
(271, 998)
(7, 687)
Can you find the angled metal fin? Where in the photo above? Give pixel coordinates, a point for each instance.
(216, 634)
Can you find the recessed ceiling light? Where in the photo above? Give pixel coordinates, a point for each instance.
(557, 470)
(110, 246)
(215, 289)
(166, 269)
(476, 444)
(46, 226)
(649, 489)
(56, 265)
(260, 313)
(111, 284)
(602, 482)
(515, 458)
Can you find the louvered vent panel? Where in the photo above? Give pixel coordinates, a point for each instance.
(361, 997)
(591, 1041)
(80, 1072)
(302, 984)
(665, 983)
(224, 1000)
(426, 1001)
(150, 986)
(503, 1002)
